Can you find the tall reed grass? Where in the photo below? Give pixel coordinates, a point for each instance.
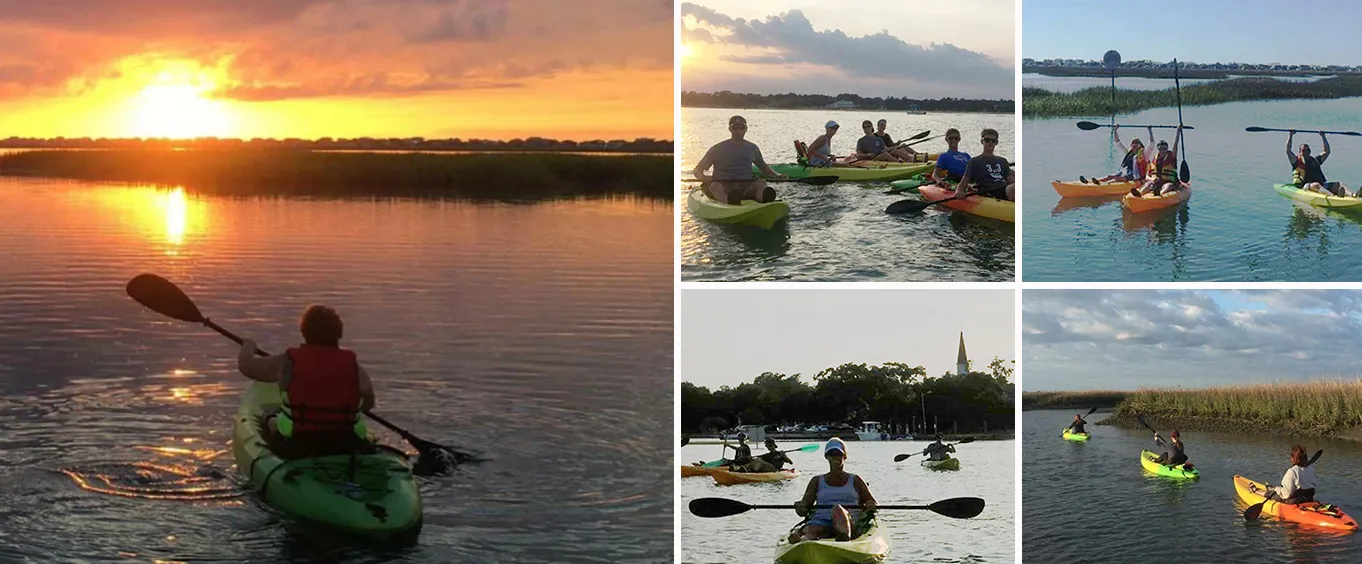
(1318, 406)
(1063, 400)
(1097, 101)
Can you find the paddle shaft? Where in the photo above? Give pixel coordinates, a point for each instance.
(1266, 129)
(877, 507)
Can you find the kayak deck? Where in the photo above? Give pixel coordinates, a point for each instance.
(992, 208)
(1315, 198)
(729, 478)
(1308, 513)
(1147, 460)
(374, 495)
(691, 470)
(1076, 189)
(763, 215)
(947, 464)
(1079, 437)
(870, 547)
(1150, 202)
(869, 171)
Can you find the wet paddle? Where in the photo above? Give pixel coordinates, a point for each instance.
(1085, 420)
(1184, 172)
(1256, 129)
(810, 180)
(956, 507)
(1089, 126)
(912, 206)
(903, 457)
(164, 297)
(1256, 509)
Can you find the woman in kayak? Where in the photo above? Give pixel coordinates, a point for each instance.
(1298, 485)
(988, 174)
(950, 165)
(1163, 170)
(937, 450)
(323, 386)
(732, 159)
(1307, 172)
(1133, 165)
(1174, 455)
(837, 489)
(820, 151)
(904, 154)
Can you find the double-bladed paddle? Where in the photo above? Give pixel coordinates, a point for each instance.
(164, 297)
(810, 180)
(1089, 126)
(1256, 509)
(1085, 420)
(1256, 129)
(903, 457)
(911, 206)
(956, 507)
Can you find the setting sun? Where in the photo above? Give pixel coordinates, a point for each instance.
(683, 50)
(178, 111)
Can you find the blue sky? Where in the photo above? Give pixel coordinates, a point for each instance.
(1205, 31)
(1128, 339)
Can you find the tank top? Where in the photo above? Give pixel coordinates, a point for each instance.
(829, 495)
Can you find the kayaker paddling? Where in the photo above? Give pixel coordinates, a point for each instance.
(1175, 454)
(820, 151)
(742, 453)
(903, 154)
(950, 165)
(837, 488)
(732, 161)
(1307, 171)
(1298, 484)
(323, 389)
(773, 460)
(1134, 164)
(988, 175)
(1077, 426)
(1163, 170)
(938, 451)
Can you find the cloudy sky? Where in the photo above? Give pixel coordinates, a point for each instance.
(1126, 339)
(961, 49)
(310, 68)
(731, 336)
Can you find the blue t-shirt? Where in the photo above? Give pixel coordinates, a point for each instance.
(954, 162)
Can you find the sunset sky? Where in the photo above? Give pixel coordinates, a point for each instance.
(497, 69)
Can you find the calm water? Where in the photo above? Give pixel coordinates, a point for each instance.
(1093, 502)
(1235, 226)
(1076, 83)
(986, 471)
(513, 330)
(840, 232)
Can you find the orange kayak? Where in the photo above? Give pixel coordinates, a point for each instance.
(1076, 189)
(1308, 513)
(726, 478)
(1150, 202)
(691, 470)
(981, 206)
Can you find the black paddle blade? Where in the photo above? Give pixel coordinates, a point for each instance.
(1185, 173)
(1088, 126)
(902, 457)
(907, 206)
(710, 507)
(163, 297)
(958, 507)
(918, 136)
(1252, 513)
(965, 440)
(1091, 411)
(1312, 460)
(1256, 129)
(817, 180)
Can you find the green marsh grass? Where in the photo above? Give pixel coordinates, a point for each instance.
(1323, 406)
(1064, 400)
(1097, 101)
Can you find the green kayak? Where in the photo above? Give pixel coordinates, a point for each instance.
(871, 546)
(872, 171)
(1316, 198)
(947, 464)
(376, 498)
(749, 212)
(1147, 460)
(1072, 436)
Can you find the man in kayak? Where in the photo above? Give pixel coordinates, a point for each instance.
(870, 147)
(820, 151)
(732, 159)
(1133, 165)
(323, 386)
(1298, 485)
(1077, 426)
(742, 453)
(950, 165)
(904, 154)
(773, 460)
(1163, 170)
(1307, 172)
(988, 174)
(1174, 455)
(838, 489)
(937, 450)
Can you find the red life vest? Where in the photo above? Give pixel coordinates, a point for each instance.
(1165, 167)
(323, 389)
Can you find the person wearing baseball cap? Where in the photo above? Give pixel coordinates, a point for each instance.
(732, 161)
(820, 151)
(837, 489)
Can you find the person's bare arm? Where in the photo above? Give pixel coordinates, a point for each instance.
(704, 164)
(1290, 156)
(766, 169)
(803, 508)
(868, 502)
(366, 391)
(1325, 154)
(259, 368)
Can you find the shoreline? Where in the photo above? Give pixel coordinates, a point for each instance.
(1097, 101)
(850, 110)
(1167, 72)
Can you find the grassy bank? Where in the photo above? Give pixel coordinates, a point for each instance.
(1038, 102)
(1330, 408)
(1072, 400)
(505, 177)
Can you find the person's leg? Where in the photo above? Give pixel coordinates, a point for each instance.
(814, 531)
(717, 191)
(757, 190)
(841, 520)
(1011, 193)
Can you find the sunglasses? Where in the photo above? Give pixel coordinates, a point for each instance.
(990, 140)
(738, 126)
(953, 138)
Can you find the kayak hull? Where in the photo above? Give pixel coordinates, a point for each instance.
(1147, 461)
(1076, 437)
(762, 215)
(728, 478)
(871, 547)
(1150, 202)
(1308, 513)
(991, 208)
(947, 464)
(691, 470)
(379, 500)
(1315, 198)
(867, 171)
(1076, 189)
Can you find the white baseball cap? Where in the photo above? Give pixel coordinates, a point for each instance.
(830, 123)
(835, 444)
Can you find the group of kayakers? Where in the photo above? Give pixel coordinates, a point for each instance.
(733, 160)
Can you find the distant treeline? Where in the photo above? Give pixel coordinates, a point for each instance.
(641, 145)
(1097, 101)
(726, 99)
(287, 172)
(1167, 72)
(1072, 400)
(893, 393)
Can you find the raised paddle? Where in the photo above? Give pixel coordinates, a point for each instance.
(1184, 172)
(1089, 126)
(911, 206)
(956, 507)
(164, 297)
(810, 180)
(1256, 129)
(903, 457)
(1256, 509)
(1084, 418)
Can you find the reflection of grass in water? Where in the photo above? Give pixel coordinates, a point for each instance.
(1315, 407)
(1057, 400)
(148, 480)
(509, 177)
(1097, 101)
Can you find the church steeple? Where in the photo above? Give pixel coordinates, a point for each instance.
(962, 361)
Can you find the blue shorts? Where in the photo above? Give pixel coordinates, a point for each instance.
(816, 160)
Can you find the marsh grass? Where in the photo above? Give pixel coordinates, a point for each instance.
(285, 172)
(1097, 101)
(1322, 406)
(1064, 400)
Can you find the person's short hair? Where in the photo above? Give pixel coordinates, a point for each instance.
(321, 326)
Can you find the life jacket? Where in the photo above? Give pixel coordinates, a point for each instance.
(323, 392)
(1307, 170)
(1164, 167)
(1135, 161)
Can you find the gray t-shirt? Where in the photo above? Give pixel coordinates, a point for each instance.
(732, 160)
(988, 172)
(870, 144)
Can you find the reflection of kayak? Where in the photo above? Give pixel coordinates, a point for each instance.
(1309, 513)
(865, 170)
(1150, 202)
(749, 212)
(1316, 198)
(1072, 436)
(947, 464)
(1076, 189)
(1147, 460)
(872, 546)
(992, 208)
(1092, 202)
(727, 478)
